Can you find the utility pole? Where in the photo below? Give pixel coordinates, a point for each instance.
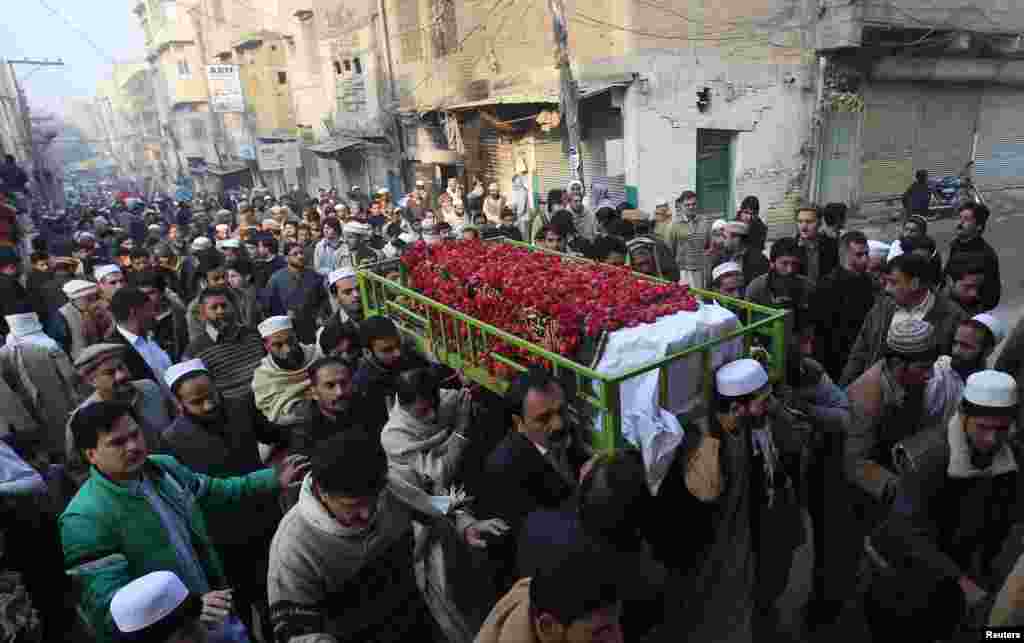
(216, 132)
(33, 153)
(569, 93)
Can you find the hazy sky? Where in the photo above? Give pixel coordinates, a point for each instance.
(29, 30)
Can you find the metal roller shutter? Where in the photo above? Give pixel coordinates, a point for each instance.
(945, 134)
(999, 160)
(553, 171)
(603, 127)
(552, 168)
(915, 126)
(890, 122)
(497, 159)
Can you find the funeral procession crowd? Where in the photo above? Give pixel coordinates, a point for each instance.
(206, 439)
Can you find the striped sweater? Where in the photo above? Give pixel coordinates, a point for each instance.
(230, 360)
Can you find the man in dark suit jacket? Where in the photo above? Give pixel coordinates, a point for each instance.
(821, 251)
(535, 467)
(133, 313)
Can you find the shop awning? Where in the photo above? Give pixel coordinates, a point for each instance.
(539, 96)
(334, 145)
(229, 168)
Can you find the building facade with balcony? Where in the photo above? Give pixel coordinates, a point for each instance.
(937, 86)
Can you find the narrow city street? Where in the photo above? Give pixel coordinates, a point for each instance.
(1005, 232)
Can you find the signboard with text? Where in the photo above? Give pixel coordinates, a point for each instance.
(225, 89)
(278, 156)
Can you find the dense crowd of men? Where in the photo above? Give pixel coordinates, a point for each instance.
(204, 440)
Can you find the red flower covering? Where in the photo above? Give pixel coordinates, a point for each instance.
(539, 297)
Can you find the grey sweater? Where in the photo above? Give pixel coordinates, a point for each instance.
(329, 584)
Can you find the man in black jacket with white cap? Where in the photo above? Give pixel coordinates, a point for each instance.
(946, 539)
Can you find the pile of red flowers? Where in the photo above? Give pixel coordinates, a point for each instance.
(539, 297)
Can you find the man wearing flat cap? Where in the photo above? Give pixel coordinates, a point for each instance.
(102, 367)
(733, 478)
(952, 535)
(84, 320)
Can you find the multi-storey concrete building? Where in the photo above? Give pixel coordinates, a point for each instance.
(918, 86)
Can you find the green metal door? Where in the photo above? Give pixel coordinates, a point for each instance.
(836, 179)
(714, 172)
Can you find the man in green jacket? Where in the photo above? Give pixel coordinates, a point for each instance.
(138, 513)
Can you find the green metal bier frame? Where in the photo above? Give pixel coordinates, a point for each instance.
(380, 295)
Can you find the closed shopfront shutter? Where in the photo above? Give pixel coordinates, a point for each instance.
(890, 124)
(945, 132)
(603, 127)
(999, 160)
(552, 169)
(915, 126)
(497, 159)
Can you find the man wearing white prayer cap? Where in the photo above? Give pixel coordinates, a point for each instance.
(218, 436)
(974, 343)
(952, 515)
(201, 243)
(110, 279)
(344, 287)
(157, 608)
(281, 382)
(26, 329)
(727, 278)
(878, 253)
(232, 249)
(82, 321)
(735, 466)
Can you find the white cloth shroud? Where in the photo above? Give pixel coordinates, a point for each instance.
(645, 424)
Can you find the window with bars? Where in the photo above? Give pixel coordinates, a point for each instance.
(184, 72)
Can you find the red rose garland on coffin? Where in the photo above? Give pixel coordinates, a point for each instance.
(536, 296)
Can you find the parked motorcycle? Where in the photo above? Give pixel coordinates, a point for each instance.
(949, 192)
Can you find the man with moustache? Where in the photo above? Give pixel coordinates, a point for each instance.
(348, 308)
(334, 406)
(296, 292)
(281, 383)
(138, 513)
(949, 540)
(220, 438)
(896, 404)
(783, 286)
(230, 351)
(102, 367)
(342, 563)
(841, 301)
(969, 243)
(975, 341)
(733, 479)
